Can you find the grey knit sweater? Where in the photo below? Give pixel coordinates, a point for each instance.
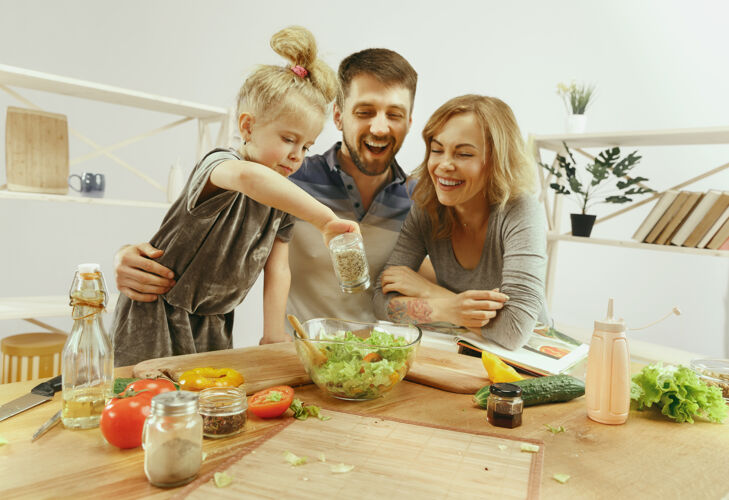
(513, 260)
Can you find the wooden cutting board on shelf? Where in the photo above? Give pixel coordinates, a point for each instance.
(278, 364)
(36, 151)
(390, 458)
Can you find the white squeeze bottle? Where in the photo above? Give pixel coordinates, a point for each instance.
(607, 386)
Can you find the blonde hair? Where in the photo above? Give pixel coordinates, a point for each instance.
(510, 171)
(265, 91)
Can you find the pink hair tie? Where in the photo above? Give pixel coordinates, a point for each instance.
(299, 71)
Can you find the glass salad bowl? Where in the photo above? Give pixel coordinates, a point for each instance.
(713, 372)
(357, 361)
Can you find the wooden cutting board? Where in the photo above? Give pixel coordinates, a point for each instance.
(36, 151)
(391, 458)
(448, 371)
(277, 364)
(261, 366)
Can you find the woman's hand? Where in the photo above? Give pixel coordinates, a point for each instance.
(405, 281)
(472, 309)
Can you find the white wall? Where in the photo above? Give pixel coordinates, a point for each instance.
(657, 64)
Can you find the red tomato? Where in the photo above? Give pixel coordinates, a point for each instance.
(123, 418)
(151, 387)
(271, 403)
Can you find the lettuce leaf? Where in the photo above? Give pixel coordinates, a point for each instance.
(678, 392)
(222, 480)
(293, 459)
(303, 411)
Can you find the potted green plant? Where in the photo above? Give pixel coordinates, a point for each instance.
(608, 164)
(576, 98)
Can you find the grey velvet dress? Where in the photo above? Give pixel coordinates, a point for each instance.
(217, 249)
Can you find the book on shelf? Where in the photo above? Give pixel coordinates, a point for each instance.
(667, 216)
(547, 351)
(656, 212)
(720, 238)
(725, 245)
(713, 213)
(683, 212)
(714, 228)
(695, 217)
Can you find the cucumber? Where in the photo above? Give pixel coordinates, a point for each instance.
(541, 390)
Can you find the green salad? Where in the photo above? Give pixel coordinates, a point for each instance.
(361, 368)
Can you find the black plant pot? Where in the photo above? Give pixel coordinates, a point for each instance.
(582, 224)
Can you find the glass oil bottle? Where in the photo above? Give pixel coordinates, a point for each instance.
(87, 363)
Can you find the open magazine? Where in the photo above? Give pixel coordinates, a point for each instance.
(547, 352)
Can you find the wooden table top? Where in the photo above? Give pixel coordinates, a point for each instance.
(648, 457)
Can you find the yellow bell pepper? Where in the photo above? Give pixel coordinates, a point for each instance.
(198, 379)
(498, 370)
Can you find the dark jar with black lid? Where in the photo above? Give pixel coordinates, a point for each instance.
(504, 406)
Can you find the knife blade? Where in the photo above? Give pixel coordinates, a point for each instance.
(45, 427)
(39, 394)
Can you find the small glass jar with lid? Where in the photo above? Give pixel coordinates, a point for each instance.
(504, 406)
(172, 439)
(223, 411)
(350, 262)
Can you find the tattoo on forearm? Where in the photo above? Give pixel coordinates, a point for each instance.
(417, 310)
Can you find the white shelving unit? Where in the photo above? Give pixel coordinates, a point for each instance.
(553, 203)
(32, 308)
(12, 78)
(59, 198)
(206, 116)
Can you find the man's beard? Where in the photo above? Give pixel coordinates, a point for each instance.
(361, 165)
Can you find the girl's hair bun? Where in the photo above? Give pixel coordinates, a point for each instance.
(295, 44)
(265, 91)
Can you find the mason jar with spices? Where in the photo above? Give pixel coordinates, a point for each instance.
(172, 439)
(350, 262)
(504, 406)
(223, 411)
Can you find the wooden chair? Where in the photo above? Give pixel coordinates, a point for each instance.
(30, 356)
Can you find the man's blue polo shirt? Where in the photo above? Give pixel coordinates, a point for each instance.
(314, 288)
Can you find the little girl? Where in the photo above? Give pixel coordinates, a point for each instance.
(236, 213)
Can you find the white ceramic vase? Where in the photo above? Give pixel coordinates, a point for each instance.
(576, 124)
(175, 182)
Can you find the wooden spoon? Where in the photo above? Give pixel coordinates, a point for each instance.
(317, 356)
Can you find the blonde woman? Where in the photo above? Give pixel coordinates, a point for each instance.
(234, 217)
(475, 216)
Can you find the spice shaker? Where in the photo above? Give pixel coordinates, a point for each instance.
(87, 361)
(350, 262)
(504, 405)
(172, 439)
(223, 411)
(607, 385)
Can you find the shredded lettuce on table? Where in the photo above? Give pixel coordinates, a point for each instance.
(346, 374)
(678, 392)
(222, 480)
(293, 459)
(303, 411)
(341, 468)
